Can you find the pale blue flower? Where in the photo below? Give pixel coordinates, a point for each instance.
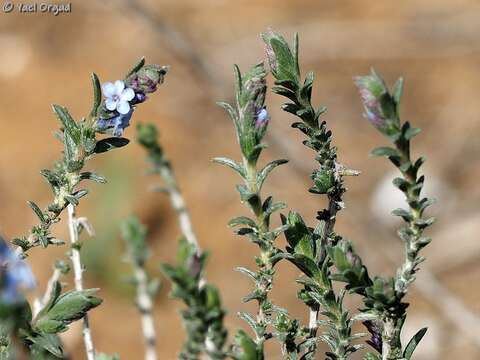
(115, 125)
(15, 275)
(117, 97)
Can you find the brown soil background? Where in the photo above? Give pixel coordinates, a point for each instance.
(433, 43)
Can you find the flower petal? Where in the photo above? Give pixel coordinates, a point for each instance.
(127, 94)
(119, 86)
(108, 89)
(111, 104)
(123, 107)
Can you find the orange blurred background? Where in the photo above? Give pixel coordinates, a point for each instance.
(433, 43)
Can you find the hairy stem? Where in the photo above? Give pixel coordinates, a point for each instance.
(78, 277)
(264, 284)
(145, 306)
(406, 272)
(312, 322)
(40, 303)
(178, 203)
(391, 347)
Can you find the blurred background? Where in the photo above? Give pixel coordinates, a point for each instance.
(433, 43)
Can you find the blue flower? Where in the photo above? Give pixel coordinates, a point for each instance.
(114, 125)
(15, 275)
(139, 98)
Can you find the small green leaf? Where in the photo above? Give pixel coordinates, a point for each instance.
(398, 91)
(70, 126)
(413, 343)
(404, 214)
(37, 211)
(48, 342)
(71, 199)
(70, 151)
(262, 175)
(245, 348)
(248, 319)
(92, 176)
(231, 111)
(108, 144)
(412, 132)
(384, 151)
(324, 180)
(286, 66)
(242, 220)
(244, 231)
(68, 307)
(97, 95)
(80, 193)
(400, 183)
(231, 164)
(136, 67)
(55, 293)
(248, 272)
(246, 195)
(53, 179)
(305, 264)
(238, 81)
(49, 326)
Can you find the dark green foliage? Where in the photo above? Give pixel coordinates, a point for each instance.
(245, 348)
(108, 144)
(412, 344)
(307, 247)
(203, 315)
(251, 120)
(383, 298)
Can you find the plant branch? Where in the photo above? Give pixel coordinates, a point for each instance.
(78, 277)
(178, 204)
(40, 303)
(145, 305)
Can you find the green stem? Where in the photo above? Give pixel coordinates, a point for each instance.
(264, 283)
(392, 323)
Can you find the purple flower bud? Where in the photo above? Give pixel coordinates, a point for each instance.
(271, 57)
(147, 79)
(370, 91)
(376, 338)
(261, 118)
(380, 107)
(353, 258)
(195, 265)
